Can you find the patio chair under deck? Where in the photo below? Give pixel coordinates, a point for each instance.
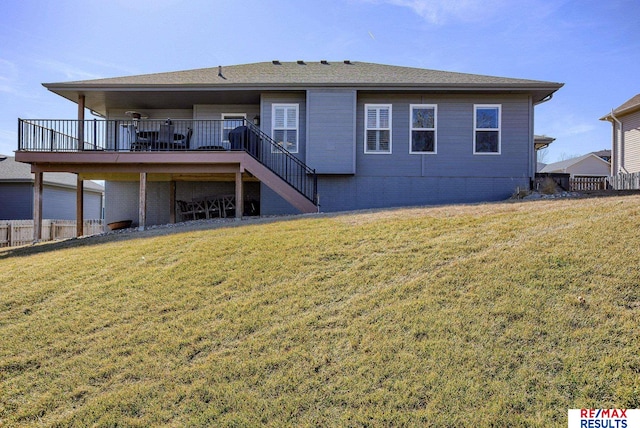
(186, 210)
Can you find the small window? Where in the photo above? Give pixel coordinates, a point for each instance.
(486, 124)
(377, 125)
(284, 126)
(423, 128)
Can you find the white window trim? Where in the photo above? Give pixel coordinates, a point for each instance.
(434, 129)
(376, 152)
(225, 116)
(297, 127)
(499, 128)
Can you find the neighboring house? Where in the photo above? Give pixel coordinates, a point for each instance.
(293, 137)
(59, 194)
(589, 165)
(604, 154)
(625, 137)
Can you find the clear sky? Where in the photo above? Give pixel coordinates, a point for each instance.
(591, 46)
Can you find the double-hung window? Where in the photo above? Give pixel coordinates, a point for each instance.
(486, 128)
(284, 126)
(377, 128)
(423, 128)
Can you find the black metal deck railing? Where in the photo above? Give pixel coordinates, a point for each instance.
(59, 135)
(280, 161)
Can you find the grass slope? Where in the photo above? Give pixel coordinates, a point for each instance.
(484, 315)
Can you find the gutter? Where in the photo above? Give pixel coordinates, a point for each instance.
(615, 119)
(545, 99)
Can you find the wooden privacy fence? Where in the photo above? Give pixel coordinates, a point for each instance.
(20, 232)
(625, 181)
(587, 183)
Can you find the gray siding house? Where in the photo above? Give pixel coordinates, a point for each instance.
(625, 137)
(59, 194)
(287, 137)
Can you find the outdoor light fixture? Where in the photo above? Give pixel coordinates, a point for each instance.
(256, 120)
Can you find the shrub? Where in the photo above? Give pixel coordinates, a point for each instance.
(548, 186)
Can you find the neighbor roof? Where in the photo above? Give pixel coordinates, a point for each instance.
(603, 153)
(630, 106)
(563, 165)
(18, 172)
(302, 75)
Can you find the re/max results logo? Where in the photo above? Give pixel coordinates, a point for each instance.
(604, 418)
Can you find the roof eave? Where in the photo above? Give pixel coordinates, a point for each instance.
(299, 86)
(619, 113)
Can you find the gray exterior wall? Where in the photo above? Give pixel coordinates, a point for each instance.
(352, 193)
(122, 198)
(270, 202)
(454, 156)
(349, 178)
(215, 112)
(331, 131)
(58, 203)
(455, 174)
(270, 98)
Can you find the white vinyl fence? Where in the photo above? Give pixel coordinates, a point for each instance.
(20, 232)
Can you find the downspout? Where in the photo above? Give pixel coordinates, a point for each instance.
(534, 156)
(620, 167)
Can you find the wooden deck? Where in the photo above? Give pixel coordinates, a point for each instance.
(237, 166)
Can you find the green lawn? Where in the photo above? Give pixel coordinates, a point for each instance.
(482, 315)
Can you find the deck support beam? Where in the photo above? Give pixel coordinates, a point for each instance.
(79, 207)
(37, 207)
(239, 198)
(142, 204)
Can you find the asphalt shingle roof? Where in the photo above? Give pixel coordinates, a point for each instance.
(309, 73)
(631, 104)
(244, 83)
